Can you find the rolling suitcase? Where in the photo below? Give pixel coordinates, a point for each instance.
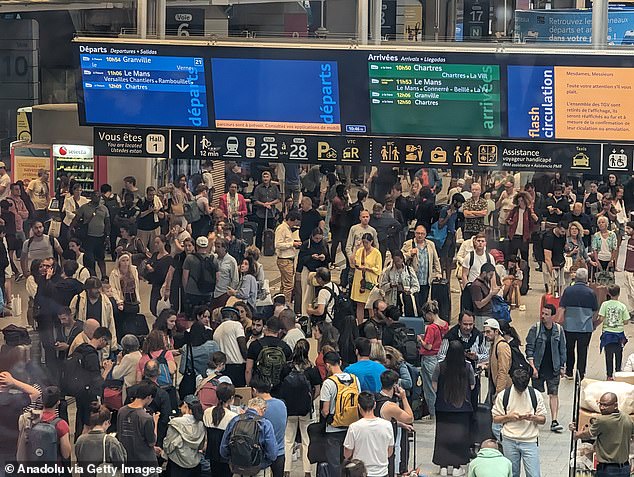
(268, 239)
(441, 293)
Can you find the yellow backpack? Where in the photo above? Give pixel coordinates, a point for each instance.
(346, 411)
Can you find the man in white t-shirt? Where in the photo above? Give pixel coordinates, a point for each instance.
(473, 261)
(370, 439)
(233, 343)
(326, 296)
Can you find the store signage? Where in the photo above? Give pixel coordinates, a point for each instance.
(72, 151)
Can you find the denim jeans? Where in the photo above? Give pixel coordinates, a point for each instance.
(496, 429)
(613, 471)
(526, 452)
(428, 364)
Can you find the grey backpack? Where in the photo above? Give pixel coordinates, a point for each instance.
(38, 441)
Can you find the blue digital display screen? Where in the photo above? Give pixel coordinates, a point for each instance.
(276, 94)
(144, 90)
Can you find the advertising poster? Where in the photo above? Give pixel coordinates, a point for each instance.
(28, 160)
(571, 26)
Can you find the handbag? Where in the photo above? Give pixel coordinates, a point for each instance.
(187, 385)
(113, 394)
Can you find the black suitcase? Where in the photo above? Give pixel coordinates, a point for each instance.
(131, 325)
(317, 443)
(268, 238)
(441, 293)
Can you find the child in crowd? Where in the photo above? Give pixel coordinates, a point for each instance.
(215, 367)
(613, 314)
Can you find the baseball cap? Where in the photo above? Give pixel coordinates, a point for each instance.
(2, 165)
(202, 242)
(492, 323)
(191, 400)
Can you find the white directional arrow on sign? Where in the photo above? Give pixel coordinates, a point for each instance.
(182, 147)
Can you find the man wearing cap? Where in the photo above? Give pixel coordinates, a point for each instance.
(5, 182)
(499, 357)
(482, 290)
(192, 269)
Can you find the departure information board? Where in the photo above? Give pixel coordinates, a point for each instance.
(134, 89)
(484, 95)
(422, 99)
(281, 95)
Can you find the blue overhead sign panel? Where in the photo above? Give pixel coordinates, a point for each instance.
(142, 89)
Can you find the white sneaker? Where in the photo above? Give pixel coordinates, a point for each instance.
(458, 471)
(443, 471)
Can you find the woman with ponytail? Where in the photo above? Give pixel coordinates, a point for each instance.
(185, 437)
(216, 420)
(96, 447)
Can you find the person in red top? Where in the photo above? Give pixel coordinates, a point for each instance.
(430, 345)
(629, 265)
(234, 207)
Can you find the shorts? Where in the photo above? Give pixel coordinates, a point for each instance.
(95, 247)
(552, 384)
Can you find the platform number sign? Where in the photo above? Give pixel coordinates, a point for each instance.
(185, 21)
(476, 19)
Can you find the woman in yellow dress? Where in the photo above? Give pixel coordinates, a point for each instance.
(368, 266)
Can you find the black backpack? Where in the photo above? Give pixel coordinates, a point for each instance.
(270, 362)
(206, 280)
(507, 394)
(406, 342)
(76, 379)
(518, 360)
(244, 446)
(341, 308)
(296, 392)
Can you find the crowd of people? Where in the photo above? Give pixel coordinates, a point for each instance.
(223, 380)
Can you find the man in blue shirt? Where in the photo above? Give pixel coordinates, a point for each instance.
(367, 371)
(256, 407)
(276, 415)
(579, 308)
